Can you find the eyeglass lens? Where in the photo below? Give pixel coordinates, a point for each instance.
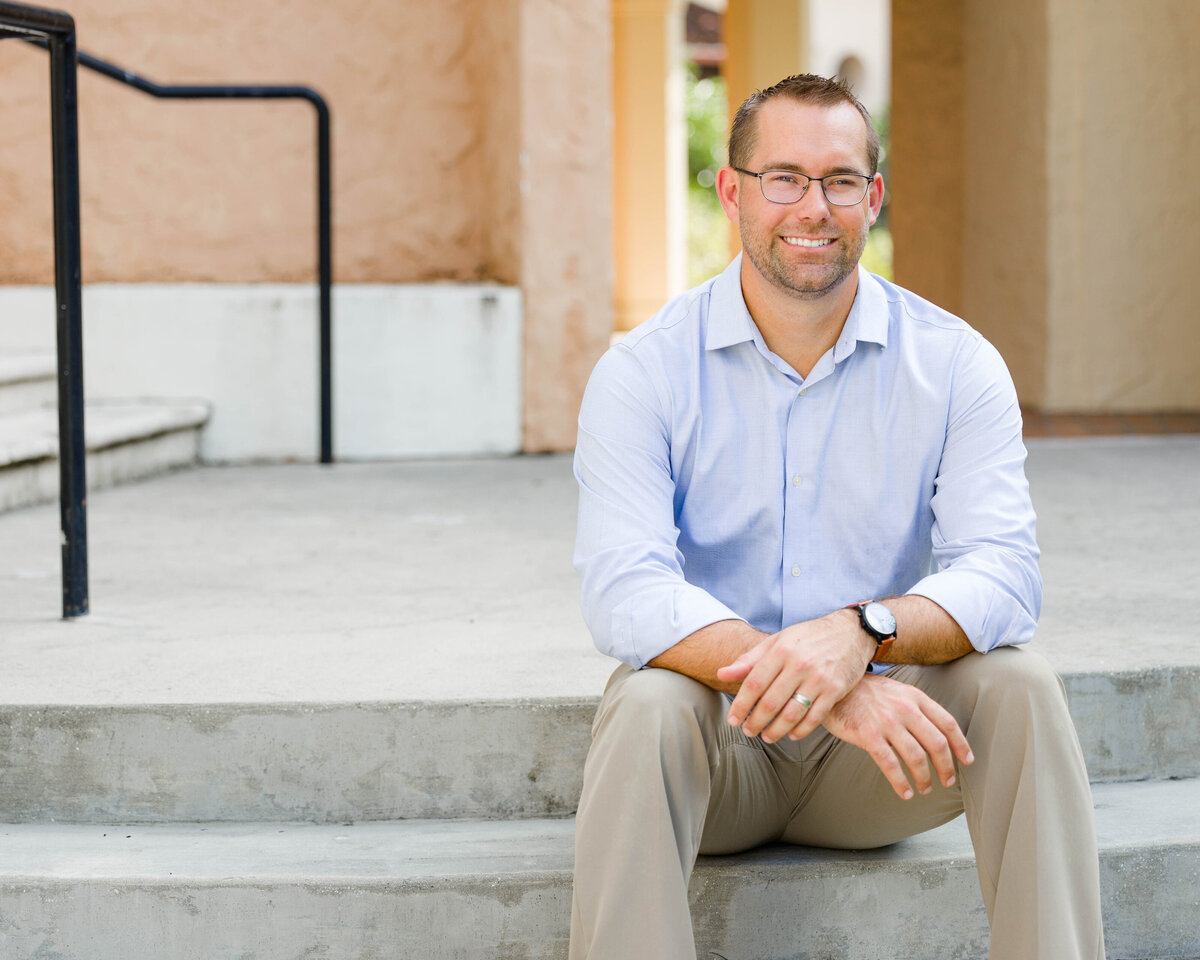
(780, 186)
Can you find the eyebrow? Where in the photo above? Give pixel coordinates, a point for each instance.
(795, 168)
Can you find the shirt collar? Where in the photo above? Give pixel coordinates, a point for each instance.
(729, 319)
(868, 317)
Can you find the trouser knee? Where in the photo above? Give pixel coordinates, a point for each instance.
(652, 708)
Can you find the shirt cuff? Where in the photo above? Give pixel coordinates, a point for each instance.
(650, 622)
(988, 616)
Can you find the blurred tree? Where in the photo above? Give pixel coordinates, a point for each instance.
(708, 230)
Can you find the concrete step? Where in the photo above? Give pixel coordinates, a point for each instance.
(381, 761)
(125, 441)
(474, 890)
(27, 382)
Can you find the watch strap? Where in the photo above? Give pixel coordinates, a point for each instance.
(883, 642)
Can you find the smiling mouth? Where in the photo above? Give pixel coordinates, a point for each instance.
(811, 243)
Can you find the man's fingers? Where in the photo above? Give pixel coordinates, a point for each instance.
(916, 754)
(796, 721)
(741, 667)
(906, 733)
(955, 741)
(888, 763)
(757, 684)
(780, 699)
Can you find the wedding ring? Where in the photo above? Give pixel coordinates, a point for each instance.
(802, 700)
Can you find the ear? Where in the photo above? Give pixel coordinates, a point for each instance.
(875, 197)
(728, 182)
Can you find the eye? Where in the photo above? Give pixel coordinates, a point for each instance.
(784, 178)
(843, 182)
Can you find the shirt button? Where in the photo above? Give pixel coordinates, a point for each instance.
(795, 571)
(804, 391)
(797, 480)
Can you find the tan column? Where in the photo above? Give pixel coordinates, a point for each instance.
(1025, 136)
(1123, 132)
(927, 172)
(649, 157)
(563, 175)
(765, 41)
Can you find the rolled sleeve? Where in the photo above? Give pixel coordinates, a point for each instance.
(636, 601)
(984, 541)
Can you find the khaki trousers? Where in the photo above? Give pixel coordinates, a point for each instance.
(667, 778)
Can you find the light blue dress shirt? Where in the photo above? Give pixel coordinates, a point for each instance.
(716, 483)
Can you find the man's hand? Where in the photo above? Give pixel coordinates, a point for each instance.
(821, 659)
(900, 727)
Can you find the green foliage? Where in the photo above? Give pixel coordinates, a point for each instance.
(708, 230)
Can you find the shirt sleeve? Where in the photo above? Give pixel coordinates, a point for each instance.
(635, 599)
(984, 540)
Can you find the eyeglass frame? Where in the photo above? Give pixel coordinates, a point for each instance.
(809, 182)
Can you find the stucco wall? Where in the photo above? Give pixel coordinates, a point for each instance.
(1005, 179)
(1125, 307)
(1021, 132)
(927, 170)
(470, 144)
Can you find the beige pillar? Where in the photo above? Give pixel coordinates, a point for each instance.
(765, 41)
(927, 170)
(563, 156)
(1123, 134)
(1025, 140)
(649, 157)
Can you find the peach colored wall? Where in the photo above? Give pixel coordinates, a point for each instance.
(564, 62)
(968, 169)
(224, 191)
(927, 172)
(1124, 302)
(1019, 134)
(1005, 178)
(470, 143)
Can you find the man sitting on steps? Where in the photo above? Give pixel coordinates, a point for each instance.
(805, 529)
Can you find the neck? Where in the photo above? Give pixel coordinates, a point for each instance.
(797, 329)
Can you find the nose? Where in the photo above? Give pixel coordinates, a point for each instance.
(813, 205)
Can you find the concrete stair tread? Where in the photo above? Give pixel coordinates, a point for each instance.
(22, 367)
(482, 890)
(1158, 813)
(33, 434)
(322, 762)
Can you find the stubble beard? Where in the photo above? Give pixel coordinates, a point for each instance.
(769, 261)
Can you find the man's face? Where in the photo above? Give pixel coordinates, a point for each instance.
(806, 249)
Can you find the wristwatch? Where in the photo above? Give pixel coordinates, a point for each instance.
(879, 622)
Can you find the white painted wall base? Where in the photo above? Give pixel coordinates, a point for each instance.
(419, 370)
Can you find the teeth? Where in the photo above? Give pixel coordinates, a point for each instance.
(805, 242)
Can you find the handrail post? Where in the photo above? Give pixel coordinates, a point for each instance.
(325, 274)
(72, 457)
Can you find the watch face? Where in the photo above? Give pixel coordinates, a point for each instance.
(879, 618)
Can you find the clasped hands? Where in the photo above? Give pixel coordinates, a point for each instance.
(898, 725)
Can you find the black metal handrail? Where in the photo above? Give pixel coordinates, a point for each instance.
(58, 30)
(324, 200)
(55, 31)
(324, 193)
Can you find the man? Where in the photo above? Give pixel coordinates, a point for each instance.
(770, 451)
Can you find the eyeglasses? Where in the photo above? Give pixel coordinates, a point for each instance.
(787, 186)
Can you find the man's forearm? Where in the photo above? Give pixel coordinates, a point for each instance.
(701, 654)
(925, 634)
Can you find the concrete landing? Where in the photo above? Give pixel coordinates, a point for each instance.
(451, 580)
